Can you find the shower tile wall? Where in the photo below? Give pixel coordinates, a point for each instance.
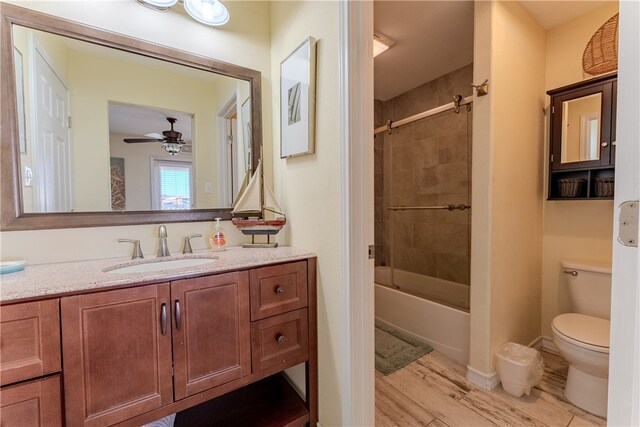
(425, 163)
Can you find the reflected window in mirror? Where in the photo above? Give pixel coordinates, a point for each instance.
(83, 101)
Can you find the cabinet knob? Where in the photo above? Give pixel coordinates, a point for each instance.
(279, 290)
(605, 144)
(613, 143)
(281, 339)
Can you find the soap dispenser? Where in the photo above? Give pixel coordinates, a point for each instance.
(218, 238)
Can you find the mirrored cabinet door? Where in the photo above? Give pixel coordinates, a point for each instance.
(581, 125)
(582, 139)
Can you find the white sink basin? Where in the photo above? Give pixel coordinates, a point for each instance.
(151, 266)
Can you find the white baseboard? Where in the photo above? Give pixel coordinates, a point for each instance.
(482, 380)
(537, 343)
(544, 343)
(548, 345)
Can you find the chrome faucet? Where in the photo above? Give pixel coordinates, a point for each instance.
(186, 249)
(163, 249)
(137, 251)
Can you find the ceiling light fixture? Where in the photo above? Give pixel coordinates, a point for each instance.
(381, 43)
(172, 148)
(208, 12)
(160, 5)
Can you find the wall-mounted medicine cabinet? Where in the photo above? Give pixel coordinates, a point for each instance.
(583, 139)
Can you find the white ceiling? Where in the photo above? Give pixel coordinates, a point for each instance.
(551, 14)
(137, 121)
(433, 38)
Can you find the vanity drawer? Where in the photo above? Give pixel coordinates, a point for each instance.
(33, 403)
(29, 340)
(278, 289)
(280, 341)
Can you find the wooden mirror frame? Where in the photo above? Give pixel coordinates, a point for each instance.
(11, 215)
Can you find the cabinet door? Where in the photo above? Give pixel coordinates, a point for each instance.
(117, 354)
(211, 343)
(34, 403)
(29, 340)
(581, 127)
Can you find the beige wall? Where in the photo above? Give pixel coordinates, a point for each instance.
(309, 187)
(507, 156)
(244, 41)
(572, 229)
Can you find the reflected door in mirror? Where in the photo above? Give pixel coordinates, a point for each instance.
(581, 118)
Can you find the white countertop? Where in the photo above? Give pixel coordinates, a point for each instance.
(49, 280)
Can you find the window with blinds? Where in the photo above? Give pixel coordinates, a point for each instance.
(173, 189)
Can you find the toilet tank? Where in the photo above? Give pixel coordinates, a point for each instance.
(589, 287)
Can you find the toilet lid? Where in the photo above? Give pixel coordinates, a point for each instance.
(589, 330)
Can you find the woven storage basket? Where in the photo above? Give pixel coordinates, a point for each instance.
(605, 186)
(601, 53)
(570, 187)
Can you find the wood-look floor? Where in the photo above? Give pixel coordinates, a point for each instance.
(433, 391)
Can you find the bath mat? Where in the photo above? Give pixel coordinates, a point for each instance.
(395, 350)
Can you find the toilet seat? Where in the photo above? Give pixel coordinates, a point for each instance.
(588, 332)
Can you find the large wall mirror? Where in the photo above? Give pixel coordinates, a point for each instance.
(102, 129)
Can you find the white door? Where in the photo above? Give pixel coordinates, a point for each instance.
(624, 359)
(53, 145)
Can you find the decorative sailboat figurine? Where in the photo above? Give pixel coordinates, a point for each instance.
(249, 211)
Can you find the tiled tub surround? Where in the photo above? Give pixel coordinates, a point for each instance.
(425, 163)
(48, 280)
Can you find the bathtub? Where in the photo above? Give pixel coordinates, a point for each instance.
(443, 327)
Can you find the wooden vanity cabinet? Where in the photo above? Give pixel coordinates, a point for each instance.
(118, 345)
(211, 348)
(117, 354)
(210, 332)
(137, 354)
(34, 403)
(31, 392)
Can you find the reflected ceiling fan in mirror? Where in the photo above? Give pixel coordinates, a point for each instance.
(172, 141)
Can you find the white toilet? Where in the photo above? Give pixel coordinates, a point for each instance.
(582, 337)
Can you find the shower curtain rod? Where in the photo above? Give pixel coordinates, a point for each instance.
(452, 207)
(392, 125)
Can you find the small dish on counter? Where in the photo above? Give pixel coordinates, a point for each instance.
(7, 267)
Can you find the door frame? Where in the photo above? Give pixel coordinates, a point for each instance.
(624, 363)
(225, 151)
(357, 213)
(356, 95)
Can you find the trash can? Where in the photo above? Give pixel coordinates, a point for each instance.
(520, 368)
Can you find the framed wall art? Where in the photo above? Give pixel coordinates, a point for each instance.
(297, 101)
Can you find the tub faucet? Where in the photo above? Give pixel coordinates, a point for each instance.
(163, 250)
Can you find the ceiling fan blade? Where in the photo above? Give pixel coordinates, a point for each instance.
(130, 140)
(154, 135)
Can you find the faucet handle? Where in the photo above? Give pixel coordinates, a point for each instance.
(137, 251)
(187, 243)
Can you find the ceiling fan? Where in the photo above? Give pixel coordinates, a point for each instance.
(171, 140)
